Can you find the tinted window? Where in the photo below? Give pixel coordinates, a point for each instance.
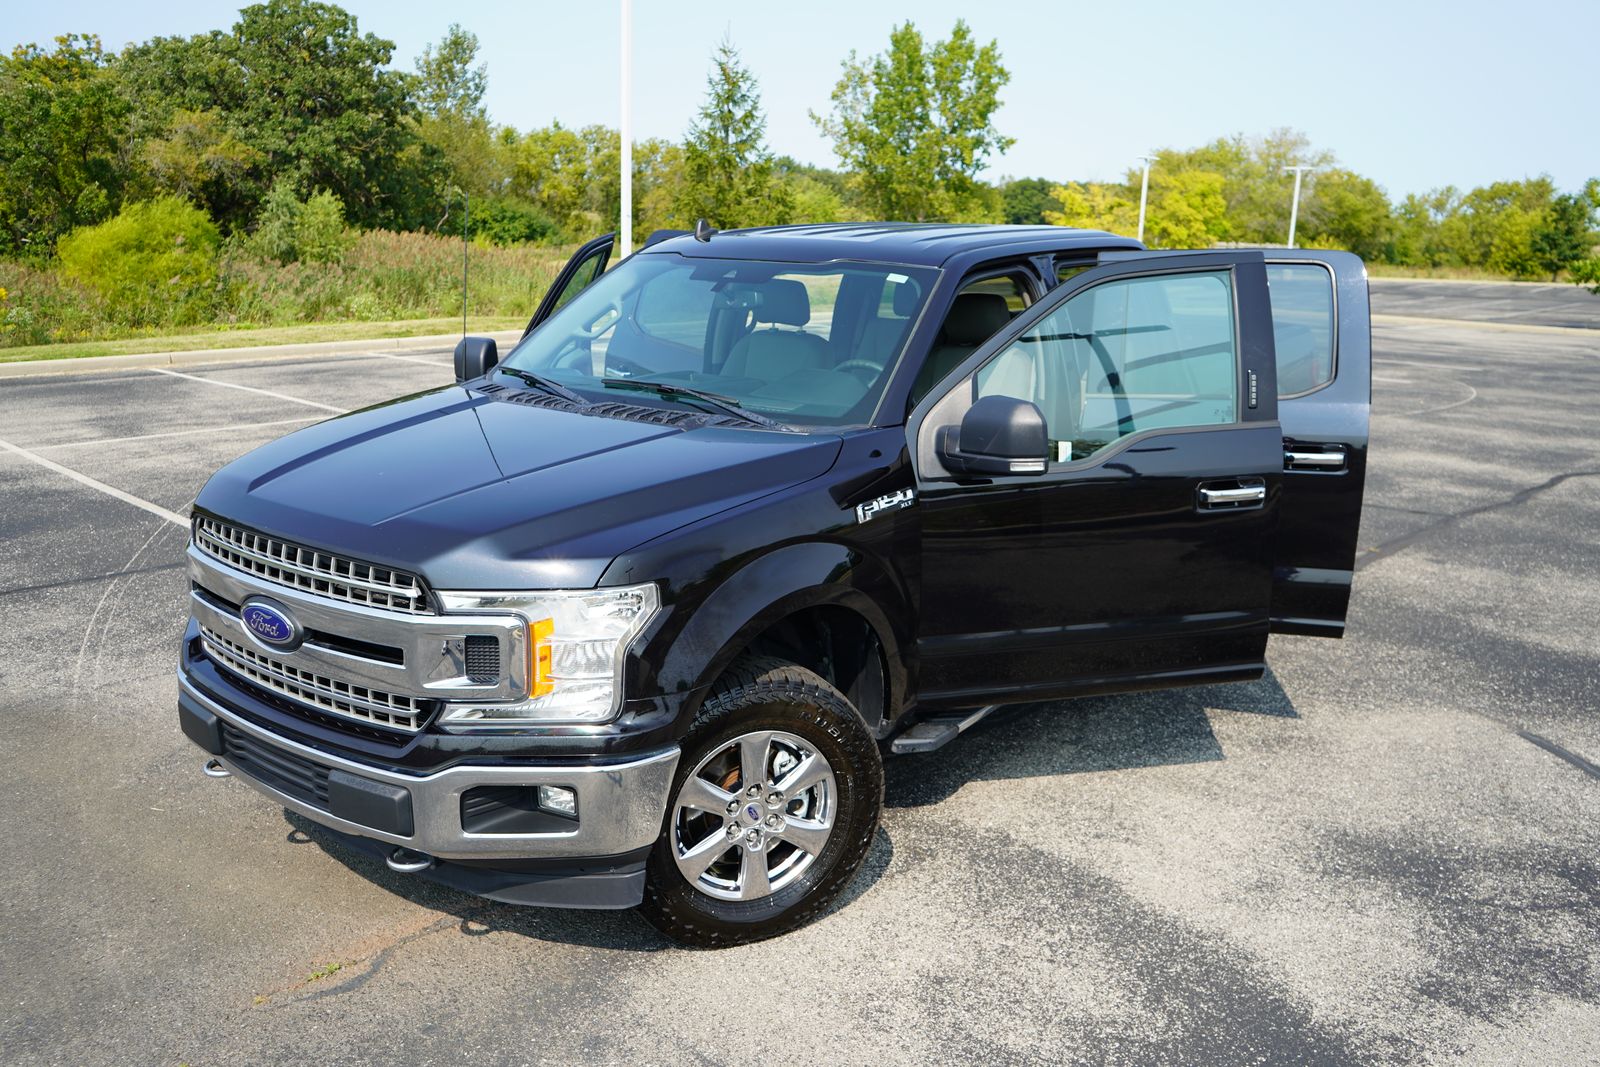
(1302, 325)
(1123, 357)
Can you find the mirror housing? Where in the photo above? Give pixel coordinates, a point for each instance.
(475, 357)
(998, 435)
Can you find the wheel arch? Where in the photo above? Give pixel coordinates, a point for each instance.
(824, 606)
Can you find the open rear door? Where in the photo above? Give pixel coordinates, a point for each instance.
(586, 264)
(1323, 338)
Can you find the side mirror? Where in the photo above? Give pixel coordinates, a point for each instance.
(998, 435)
(475, 357)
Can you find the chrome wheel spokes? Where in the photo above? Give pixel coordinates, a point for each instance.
(753, 815)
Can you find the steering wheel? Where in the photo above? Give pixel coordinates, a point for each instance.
(859, 365)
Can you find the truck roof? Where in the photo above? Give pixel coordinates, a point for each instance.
(926, 244)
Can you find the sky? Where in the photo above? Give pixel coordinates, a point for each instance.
(1414, 95)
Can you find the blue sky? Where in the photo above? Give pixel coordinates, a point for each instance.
(1414, 95)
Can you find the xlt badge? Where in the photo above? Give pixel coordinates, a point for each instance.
(901, 499)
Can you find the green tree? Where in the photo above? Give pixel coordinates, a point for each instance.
(290, 229)
(63, 141)
(915, 126)
(198, 158)
(1345, 210)
(311, 95)
(449, 89)
(1027, 199)
(1256, 189)
(155, 262)
(1185, 209)
(728, 174)
(1564, 236)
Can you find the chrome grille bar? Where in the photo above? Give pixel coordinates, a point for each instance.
(319, 691)
(316, 572)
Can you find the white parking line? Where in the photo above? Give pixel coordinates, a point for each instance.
(177, 433)
(414, 359)
(109, 490)
(248, 389)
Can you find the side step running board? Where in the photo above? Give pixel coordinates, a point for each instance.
(939, 731)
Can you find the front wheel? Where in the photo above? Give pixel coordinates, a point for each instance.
(773, 808)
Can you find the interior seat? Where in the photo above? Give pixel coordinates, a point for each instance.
(773, 353)
(881, 340)
(973, 319)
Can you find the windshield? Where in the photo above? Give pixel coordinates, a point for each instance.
(803, 344)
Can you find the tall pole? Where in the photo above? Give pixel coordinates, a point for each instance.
(1144, 192)
(1294, 209)
(625, 244)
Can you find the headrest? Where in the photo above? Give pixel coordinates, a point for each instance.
(975, 317)
(905, 299)
(784, 301)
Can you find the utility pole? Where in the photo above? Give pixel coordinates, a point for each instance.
(625, 237)
(1144, 192)
(1294, 210)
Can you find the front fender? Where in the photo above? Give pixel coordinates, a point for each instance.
(768, 589)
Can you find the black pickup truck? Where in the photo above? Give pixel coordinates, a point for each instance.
(633, 615)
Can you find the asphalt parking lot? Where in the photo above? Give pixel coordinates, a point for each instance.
(1385, 851)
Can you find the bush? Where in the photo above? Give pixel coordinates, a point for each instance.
(155, 263)
(508, 221)
(290, 230)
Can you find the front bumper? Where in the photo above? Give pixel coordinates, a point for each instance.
(620, 805)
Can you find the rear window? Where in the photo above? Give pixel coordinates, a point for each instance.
(1302, 325)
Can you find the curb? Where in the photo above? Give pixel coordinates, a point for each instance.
(375, 346)
(1474, 324)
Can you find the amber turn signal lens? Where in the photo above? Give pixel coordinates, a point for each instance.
(540, 657)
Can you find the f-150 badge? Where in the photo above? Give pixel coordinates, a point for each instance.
(888, 502)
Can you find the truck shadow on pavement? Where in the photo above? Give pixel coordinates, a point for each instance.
(1127, 730)
(477, 916)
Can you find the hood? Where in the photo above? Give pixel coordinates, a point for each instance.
(477, 493)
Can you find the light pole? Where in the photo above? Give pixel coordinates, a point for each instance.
(1144, 192)
(625, 242)
(1294, 209)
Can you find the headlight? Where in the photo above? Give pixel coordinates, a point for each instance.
(576, 643)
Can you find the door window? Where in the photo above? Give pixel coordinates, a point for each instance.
(1126, 356)
(587, 272)
(1302, 325)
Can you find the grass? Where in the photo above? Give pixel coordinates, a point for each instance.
(246, 337)
(325, 971)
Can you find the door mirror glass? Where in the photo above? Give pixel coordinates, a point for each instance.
(998, 435)
(475, 357)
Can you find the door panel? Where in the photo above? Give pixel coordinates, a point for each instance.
(1324, 355)
(586, 264)
(1143, 555)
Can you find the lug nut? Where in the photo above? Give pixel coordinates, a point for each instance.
(774, 799)
(754, 791)
(774, 822)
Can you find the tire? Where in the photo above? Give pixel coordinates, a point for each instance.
(778, 879)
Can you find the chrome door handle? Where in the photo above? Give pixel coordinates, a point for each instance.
(1232, 497)
(1295, 459)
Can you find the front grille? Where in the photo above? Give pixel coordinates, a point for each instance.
(309, 569)
(282, 770)
(319, 691)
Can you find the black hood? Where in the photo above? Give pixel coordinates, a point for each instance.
(478, 493)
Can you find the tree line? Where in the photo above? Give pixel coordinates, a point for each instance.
(281, 139)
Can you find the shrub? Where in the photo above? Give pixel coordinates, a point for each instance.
(290, 230)
(154, 263)
(508, 221)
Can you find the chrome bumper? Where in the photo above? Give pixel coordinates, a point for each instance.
(620, 805)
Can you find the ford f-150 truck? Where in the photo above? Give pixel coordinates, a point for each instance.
(632, 616)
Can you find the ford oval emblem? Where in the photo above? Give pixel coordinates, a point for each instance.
(269, 623)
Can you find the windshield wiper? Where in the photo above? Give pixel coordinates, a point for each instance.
(540, 382)
(727, 405)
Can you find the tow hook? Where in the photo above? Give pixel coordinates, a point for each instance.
(214, 769)
(407, 861)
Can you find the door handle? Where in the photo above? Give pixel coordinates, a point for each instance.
(1314, 460)
(1235, 496)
